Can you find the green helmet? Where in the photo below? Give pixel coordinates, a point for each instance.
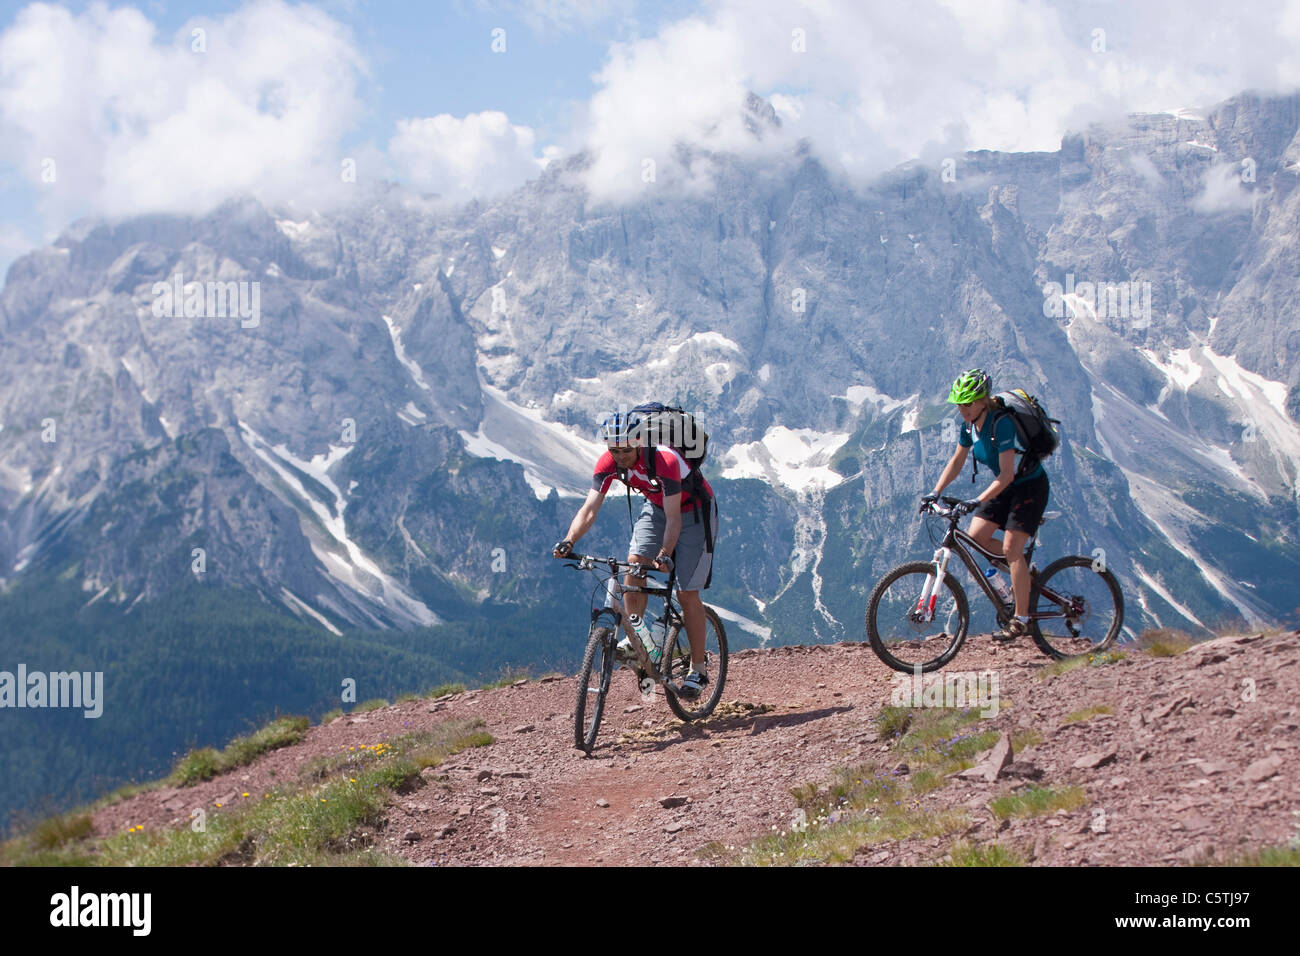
(970, 386)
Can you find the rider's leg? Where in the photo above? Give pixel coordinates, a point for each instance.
(635, 603)
(647, 536)
(981, 529)
(1013, 549)
(693, 614)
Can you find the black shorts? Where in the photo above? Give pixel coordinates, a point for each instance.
(1020, 507)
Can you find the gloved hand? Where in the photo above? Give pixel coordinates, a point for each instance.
(663, 562)
(562, 548)
(969, 505)
(926, 501)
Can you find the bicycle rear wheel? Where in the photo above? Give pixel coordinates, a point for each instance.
(1083, 604)
(899, 631)
(677, 664)
(593, 686)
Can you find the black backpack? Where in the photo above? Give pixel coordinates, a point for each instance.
(670, 425)
(673, 426)
(1035, 429)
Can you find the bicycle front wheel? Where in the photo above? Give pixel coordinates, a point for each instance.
(593, 686)
(904, 633)
(1076, 607)
(677, 664)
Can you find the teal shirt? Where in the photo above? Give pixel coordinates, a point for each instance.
(992, 440)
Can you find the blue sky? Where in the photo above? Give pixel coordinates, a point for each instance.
(422, 59)
(108, 110)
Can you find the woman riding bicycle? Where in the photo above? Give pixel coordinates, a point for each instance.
(1016, 499)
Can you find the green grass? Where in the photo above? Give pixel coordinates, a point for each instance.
(57, 831)
(1288, 854)
(506, 679)
(426, 748)
(892, 722)
(199, 765)
(837, 839)
(1024, 738)
(125, 792)
(327, 819)
(1057, 668)
(992, 854)
(1164, 642)
(1087, 713)
(375, 703)
(864, 804)
(442, 690)
(331, 715)
(1037, 801)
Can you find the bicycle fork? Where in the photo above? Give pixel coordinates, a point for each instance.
(930, 594)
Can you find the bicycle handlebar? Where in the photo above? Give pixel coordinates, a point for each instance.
(949, 512)
(588, 562)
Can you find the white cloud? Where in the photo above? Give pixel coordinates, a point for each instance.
(1222, 191)
(480, 155)
(135, 123)
(879, 83)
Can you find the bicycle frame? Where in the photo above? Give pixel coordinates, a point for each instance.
(958, 542)
(616, 609)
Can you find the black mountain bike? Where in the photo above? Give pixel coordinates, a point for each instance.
(609, 622)
(918, 614)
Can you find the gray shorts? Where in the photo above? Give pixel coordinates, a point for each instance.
(693, 560)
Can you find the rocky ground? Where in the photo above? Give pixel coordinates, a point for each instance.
(1197, 760)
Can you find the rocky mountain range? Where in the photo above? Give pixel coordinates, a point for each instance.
(419, 379)
(382, 416)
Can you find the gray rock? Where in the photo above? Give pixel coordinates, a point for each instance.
(1099, 758)
(1263, 769)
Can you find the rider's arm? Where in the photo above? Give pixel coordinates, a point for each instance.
(953, 468)
(586, 516)
(672, 522)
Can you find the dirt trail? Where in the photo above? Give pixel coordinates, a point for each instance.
(1199, 756)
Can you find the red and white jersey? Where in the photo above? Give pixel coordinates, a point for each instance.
(670, 471)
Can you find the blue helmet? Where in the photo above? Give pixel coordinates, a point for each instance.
(622, 430)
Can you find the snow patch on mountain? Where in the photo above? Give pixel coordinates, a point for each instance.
(763, 633)
(1259, 403)
(1161, 590)
(1174, 518)
(351, 566)
(417, 373)
(411, 415)
(553, 455)
(857, 396)
(797, 458)
(707, 340)
(296, 603)
(294, 230)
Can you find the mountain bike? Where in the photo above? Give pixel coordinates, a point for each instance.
(610, 620)
(918, 614)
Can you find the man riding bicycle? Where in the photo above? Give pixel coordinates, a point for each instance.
(659, 536)
(1016, 499)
